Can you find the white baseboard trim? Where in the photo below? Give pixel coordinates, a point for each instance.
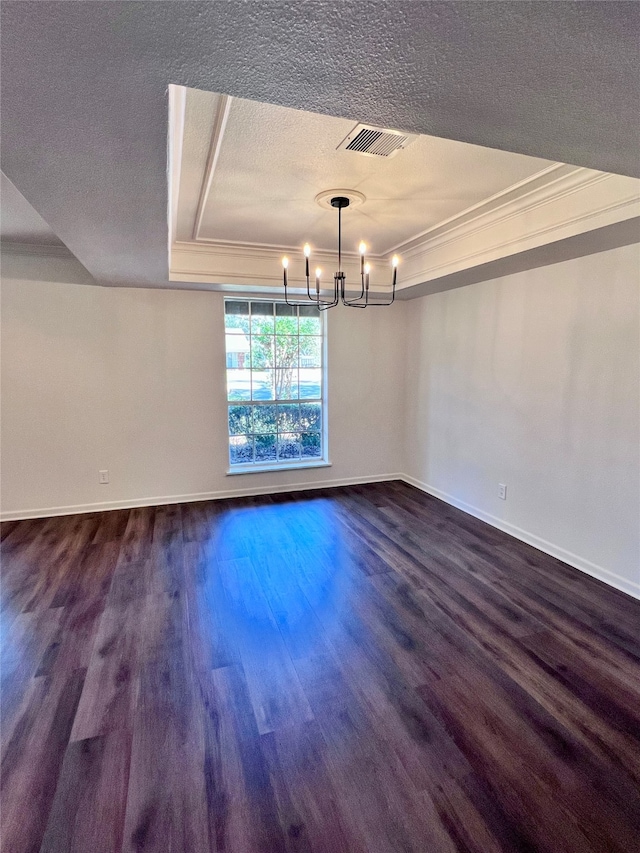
(104, 506)
(584, 565)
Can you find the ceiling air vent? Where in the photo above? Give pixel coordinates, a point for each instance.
(376, 141)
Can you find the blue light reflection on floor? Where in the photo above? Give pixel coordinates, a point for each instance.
(280, 564)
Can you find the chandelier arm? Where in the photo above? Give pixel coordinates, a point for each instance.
(386, 304)
(293, 304)
(356, 304)
(383, 304)
(290, 304)
(393, 292)
(356, 298)
(322, 305)
(319, 303)
(336, 296)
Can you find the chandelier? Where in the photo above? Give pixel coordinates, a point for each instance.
(339, 278)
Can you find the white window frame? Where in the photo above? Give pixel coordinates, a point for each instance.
(285, 465)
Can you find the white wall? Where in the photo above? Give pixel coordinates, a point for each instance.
(533, 380)
(530, 380)
(132, 380)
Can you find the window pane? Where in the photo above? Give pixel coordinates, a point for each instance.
(310, 324)
(264, 419)
(309, 311)
(288, 417)
(238, 348)
(262, 318)
(266, 448)
(236, 317)
(284, 310)
(262, 352)
(310, 383)
(311, 445)
(241, 449)
(286, 351)
(286, 319)
(235, 325)
(289, 446)
(238, 384)
(311, 416)
(240, 307)
(310, 352)
(262, 384)
(239, 420)
(286, 384)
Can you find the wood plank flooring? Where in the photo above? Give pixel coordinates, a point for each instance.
(356, 670)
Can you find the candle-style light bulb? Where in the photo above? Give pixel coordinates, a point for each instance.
(318, 274)
(362, 248)
(285, 263)
(395, 260)
(307, 250)
(367, 270)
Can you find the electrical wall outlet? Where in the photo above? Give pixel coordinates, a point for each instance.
(502, 491)
(103, 477)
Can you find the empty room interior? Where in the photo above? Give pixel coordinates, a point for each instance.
(320, 484)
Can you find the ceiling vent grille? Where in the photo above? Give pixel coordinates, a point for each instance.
(376, 141)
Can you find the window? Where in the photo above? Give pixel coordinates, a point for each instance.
(274, 384)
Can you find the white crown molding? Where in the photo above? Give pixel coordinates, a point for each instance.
(505, 206)
(557, 203)
(217, 135)
(233, 248)
(515, 192)
(250, 265)
(208, 244)
(572, 203)
(35, 250)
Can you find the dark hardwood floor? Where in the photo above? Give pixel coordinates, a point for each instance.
(362, 669)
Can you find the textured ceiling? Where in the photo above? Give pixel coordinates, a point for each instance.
(85, 107)
(19, 222)
(273, 161)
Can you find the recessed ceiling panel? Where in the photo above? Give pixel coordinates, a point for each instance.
(271, 162)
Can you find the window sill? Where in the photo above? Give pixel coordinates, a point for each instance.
(261, 469)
